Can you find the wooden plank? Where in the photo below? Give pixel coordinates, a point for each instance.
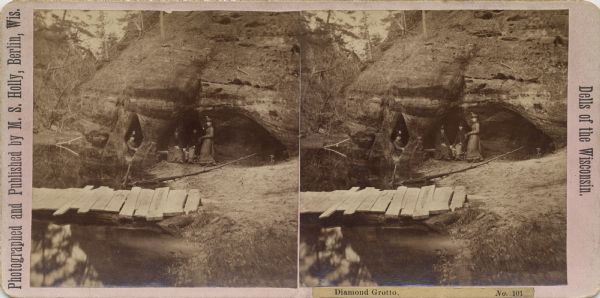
(47, 198)
(90, 198)
(154, 211)
(103, 199)
(65, 196)
(339, 198)
(36, 198)
(383, 201)
(130, 203)
(441, 200)
(357, 199)
(193, 201)
(410, 201)
(305, 201)
(117, 201)
(459, 198)
(71, 197)
(143, 203)
(39, 196)
(393, 211)
(308, 201)
(82, 195)
(326, 200)
(369, 200)
(425, 196)
(175, 202)
(349, 196)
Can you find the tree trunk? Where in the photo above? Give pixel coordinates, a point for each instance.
(162, 26)
(141, 23)
(105, 46)
(369, 49)
(424, 23)
(404, 29)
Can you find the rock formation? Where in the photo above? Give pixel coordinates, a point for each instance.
(510, 67)
(220, 64)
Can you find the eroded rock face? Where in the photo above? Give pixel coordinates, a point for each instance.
(483, 62)
(234, 62)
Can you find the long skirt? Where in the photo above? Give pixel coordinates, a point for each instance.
(474, 148)
(206, 152)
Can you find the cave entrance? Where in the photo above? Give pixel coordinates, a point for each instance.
(235, 135)
(451, 122)
(189, 128)
(501, 131)
(134, 129)
(400, 128)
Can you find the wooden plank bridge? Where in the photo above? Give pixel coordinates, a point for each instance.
(136, 203)
(407, 202)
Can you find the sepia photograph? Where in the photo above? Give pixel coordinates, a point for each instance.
(326, 149)
(165, 149)
(433, 148)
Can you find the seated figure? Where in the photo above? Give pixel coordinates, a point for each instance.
(458, 148)
(442, 146)
(176, 152)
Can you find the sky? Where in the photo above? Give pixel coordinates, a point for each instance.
(353, 19)
(113, 25)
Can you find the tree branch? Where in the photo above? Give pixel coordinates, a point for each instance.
(429, 177)
(62, 147)
(336, 152)
(69, 141)
(336, 144)
(162, 179)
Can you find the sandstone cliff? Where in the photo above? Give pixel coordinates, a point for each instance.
(510, 67)
(214, 63)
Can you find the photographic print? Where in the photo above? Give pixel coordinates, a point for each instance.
(433, 148)
(165, 149)
(300, 149)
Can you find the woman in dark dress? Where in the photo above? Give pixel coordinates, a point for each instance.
(176, 153)
(458, 148)
(442, 146)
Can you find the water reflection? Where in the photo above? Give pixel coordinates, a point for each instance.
(93, 256)
(369, 256)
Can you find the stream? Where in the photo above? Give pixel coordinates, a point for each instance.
(373, 256)
(74, 255)
(79, 255)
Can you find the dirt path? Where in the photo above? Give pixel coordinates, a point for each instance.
(513, 189)
(247, 226)
(516, 220)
